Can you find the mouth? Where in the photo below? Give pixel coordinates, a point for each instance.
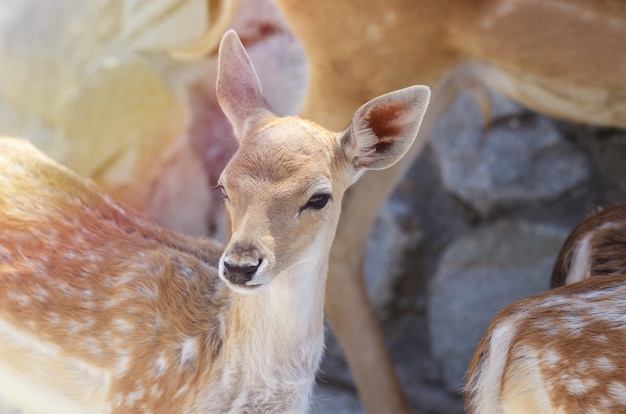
(241, 281)
(247, 287)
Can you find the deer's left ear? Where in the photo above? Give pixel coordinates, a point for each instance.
(238, 87)
(384, 128)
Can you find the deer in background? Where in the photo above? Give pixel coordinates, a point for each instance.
(562, 351)
(563, 58)
(101, 310)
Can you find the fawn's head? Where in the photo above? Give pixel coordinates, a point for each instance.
(284, 185)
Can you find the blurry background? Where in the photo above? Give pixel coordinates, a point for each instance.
(472, 228)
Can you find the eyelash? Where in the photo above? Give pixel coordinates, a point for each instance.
(317, 202)
(223, 191)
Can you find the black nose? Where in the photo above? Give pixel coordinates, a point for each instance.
(240, 274)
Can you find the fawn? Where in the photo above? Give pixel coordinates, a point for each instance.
(562, 351)
(101, 310)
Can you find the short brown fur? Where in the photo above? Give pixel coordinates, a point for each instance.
(606, 233)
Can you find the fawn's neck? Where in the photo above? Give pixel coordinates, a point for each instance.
(282, 322)
(274, 343)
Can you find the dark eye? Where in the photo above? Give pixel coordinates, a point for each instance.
(318, 201)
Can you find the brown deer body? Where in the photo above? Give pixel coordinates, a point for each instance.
(101, 310)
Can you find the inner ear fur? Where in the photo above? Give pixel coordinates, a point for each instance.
(238, 88)
(383, 129)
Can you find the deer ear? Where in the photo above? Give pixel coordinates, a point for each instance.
(384, 128)
(238, 87)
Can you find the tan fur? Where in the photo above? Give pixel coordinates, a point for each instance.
(101, 310)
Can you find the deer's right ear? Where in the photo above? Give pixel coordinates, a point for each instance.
(384, 128)
(238, 87)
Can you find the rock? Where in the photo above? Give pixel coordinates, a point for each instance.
(385, 251)
(606, 148)
(334, 400)
(478, 275)
(521, 158)
(119, 121)
(91, 84)
(8, 408)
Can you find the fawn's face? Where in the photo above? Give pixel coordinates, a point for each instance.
(283, 187)
(283, 190)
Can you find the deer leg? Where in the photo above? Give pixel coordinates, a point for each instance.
(348, 306)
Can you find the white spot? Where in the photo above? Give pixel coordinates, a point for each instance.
(63, 287)
(20, 298)
(602, 339)
(181, 391)
(551, 357)
(390, 17)
(373, 33)
(69, 255)
(40, 293)
(604, 364)
(147, 292)
(188, 351)
(155, 391)
(123, 325)
(186, 272)
(122, 365)
(160, 366)
(132, 397)
(5, 254)
(132, 310)
(117, 401)
(77, 326)
(54, 318)
(503, 9)
(117, 341)
(575, 386)
(123, 280)
(617, 390)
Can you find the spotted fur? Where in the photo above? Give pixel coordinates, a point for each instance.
(563, 351)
